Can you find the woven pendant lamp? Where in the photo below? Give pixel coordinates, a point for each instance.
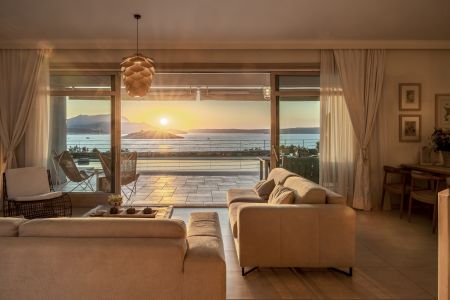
(137, 70)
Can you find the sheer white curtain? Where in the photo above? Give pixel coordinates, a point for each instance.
(20, 74)
(361, 73)
(337, 141)
(35, 141)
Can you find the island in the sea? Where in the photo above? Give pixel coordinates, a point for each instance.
(152, 134)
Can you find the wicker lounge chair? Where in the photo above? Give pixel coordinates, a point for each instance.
(128, 172)
(35, 198)
(64, 161)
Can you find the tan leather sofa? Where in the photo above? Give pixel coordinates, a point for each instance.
(107, 258)
(318, 230)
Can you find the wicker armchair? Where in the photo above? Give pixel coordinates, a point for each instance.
(128, 172)
(65, 162)
(29, 192)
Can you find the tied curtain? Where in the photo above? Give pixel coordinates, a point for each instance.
(337, 140)
(24, 108)
(361, 74)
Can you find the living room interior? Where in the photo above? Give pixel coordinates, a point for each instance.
(229, 150)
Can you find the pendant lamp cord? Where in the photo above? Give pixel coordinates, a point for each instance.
(137, 17)
(137, 35)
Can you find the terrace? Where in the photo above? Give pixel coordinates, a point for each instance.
(171, 173)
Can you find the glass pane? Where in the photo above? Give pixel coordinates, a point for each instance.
(187, 149)
(80, 83)
(300, 135)
(80, 142)
(299, 83)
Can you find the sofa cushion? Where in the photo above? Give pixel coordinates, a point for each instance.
(243, 195)
(281, 195)
(26, 181)
(263, 188)
(10, 226)
(104, 227)
(305, 191)
(279, 175)
(204, 224)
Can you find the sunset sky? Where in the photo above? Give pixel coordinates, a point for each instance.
(205, 114)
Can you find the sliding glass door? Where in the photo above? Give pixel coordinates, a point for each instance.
(296, 123)
(82, 132)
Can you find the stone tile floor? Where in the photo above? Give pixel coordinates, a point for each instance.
(183, 190)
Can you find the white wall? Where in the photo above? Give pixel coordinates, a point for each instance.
(430, 68)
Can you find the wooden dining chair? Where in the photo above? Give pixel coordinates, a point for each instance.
(395, 182)
(425, 188)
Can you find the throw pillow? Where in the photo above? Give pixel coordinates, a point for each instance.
(281, 195)
(263, 188)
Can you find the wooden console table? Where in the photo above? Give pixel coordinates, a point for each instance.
(438, 170)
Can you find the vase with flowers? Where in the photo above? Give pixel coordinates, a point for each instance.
(441, 142)
(115, 201)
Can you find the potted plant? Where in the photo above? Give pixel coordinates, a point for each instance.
(441, 142)
(115, 201)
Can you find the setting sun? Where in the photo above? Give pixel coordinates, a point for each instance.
(163, 121)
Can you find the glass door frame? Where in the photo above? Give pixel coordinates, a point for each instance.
(275, 96)
(115, 94)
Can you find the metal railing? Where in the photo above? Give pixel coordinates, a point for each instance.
(219, 155)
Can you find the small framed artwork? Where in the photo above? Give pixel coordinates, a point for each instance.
(409, 96)
(442, 108)
(409, 128)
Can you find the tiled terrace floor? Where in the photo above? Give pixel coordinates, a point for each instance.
(188, 190)
(185, 190)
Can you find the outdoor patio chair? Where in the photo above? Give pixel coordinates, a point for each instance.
(28, 192)
(128, 172)
(65, 161)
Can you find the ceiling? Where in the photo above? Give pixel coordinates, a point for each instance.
(236, 24)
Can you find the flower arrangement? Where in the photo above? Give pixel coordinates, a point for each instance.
(441, 139)
(115, 200)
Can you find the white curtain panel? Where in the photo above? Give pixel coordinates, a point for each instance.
(361, 73)
(337, 138)
(37, 133)
(19, 79)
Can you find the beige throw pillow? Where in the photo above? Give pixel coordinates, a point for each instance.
(281, 195)
(263, 188)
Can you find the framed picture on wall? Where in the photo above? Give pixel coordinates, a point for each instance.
(409, 128)
(442, 108)
(409, 96)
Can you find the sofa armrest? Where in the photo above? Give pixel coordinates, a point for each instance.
(296, 235)
(204, 264)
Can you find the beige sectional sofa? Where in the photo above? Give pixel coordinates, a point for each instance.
(107, 258)
(317, 230)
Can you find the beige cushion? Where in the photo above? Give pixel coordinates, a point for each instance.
(281, 195)
(10, 226)
(26, 182)
(104, 227)
(204, 224)
(243, 195)
(45, 196)
(263, 188)
(305, 191)
(279, 175)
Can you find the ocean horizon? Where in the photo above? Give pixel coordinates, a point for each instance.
(194, 142)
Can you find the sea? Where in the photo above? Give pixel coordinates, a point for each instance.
(194, 142)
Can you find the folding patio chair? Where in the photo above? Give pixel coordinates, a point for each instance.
(65, 161)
